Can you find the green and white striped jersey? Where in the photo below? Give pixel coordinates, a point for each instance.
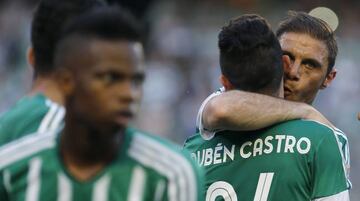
(30, 114)
(146, 169)
(296, 160)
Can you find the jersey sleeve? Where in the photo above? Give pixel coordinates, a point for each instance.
(343, 143)
(205, 133)
(329, 172)
(191, 185)
(343, 196)
(199, 175)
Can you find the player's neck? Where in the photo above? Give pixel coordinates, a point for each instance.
(86, 151)
(48, 87)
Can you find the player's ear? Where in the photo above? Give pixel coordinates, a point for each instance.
(30, 55)
(286, 62)
(66, 80)
(225, 82)
(329, 78)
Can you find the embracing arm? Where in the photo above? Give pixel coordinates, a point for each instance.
(239, 110)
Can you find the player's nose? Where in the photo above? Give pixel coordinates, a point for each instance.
(292, 71)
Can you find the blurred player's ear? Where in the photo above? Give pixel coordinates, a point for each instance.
(66, 81)
(329, 78)
(226, 83)
(30, 55)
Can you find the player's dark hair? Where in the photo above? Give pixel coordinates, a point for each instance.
(49, 18)
(105, 23)
(250, 54)
(301, 22)
(108, 23)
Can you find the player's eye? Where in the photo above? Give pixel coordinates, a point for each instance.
(109, 77)
(310, 64)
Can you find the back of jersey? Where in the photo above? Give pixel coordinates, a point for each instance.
(296, 160)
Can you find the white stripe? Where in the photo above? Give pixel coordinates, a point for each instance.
(137, 184)
(34, 180)
(46, 120)
(175, 175)
(160, 189)
(342, 196)
(25, 147)
(101, 188)
(58, 119)
(7, 181)
(149, 161)
(179, 175)
(263, 186)
(64, 188)
(186, 175)
(345, 161)
(345, 156)
(146, 148)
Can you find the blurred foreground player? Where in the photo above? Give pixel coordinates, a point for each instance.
(41, 109)
(295, 160)
(99, 63)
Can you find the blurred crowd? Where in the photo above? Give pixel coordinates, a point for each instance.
(182, 61)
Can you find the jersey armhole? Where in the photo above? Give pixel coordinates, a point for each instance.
(205, 133)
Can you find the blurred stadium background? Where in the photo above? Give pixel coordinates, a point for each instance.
(182, 60)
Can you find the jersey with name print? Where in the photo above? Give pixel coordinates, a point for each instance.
(30, 114)
(296, 160)
(209, 134)
(147, 169)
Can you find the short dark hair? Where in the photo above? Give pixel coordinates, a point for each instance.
(301, 22)
(250, 54)
(49, 18)
(105, 23)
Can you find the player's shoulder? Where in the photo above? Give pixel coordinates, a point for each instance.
(28, 115)
(193, 141)
(306, 125)
(163, 157)
(28, 105)
(25, 148)
(145, 146)
(307, 128)
(150, 141)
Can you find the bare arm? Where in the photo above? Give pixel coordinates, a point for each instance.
(239, 110)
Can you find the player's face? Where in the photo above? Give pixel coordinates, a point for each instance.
(307, 72)
(108, 88)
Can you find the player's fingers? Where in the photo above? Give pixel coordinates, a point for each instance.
(359, 116)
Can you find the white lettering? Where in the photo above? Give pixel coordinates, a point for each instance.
(307, 145)
(258, 146)
(279, 138)
(242, 153)
(208, 156)
(202, 158)
(289, 144)
(217, 155)
(268, 144)
(228, 153)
